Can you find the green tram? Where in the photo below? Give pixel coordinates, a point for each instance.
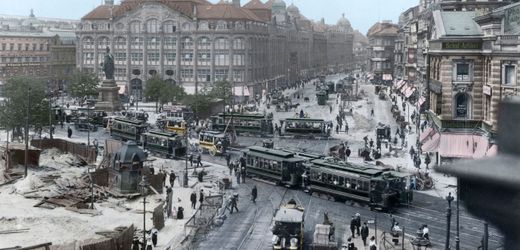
(379, 188)
(127, 130)
(281, 167)
(306, 127)
(165, 143)
(243, 123)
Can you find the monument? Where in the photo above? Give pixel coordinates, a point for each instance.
(108, 99)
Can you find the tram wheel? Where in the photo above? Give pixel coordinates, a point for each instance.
(213, 152)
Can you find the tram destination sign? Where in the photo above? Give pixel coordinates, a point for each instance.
(461, 45)
(512, 20)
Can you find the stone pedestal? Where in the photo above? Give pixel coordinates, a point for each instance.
(108, 99)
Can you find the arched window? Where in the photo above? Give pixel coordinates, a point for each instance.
(135, 27)
(103, 42)
(88, 42)
(187, 43)
(222, 43)
(137, 42)
(120, 42)
(203, 25)
(169, 27)
(238, 44)
(462, 105)
(204, 43)
(152, 26)
(221, 25)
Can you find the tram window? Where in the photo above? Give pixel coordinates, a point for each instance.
(341, 181)
(347, 183)
(354, 184)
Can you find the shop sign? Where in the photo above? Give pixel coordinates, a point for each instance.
(512, 19)
(461, 45)
(487, 90)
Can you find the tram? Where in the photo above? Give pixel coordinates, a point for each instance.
(127, 130)
(379, 188)
(288, 227)
(243, 123)
(173, 125)
(178, 112)
(213, 142)
(166, 144)
(281, 167)
(306, 127)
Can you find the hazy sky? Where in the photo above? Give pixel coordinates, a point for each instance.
(361, 13)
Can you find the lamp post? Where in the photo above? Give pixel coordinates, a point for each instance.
(88, 125)
(185, 179)
(144, 190)
(90, 171)
(26, 160)
(457, 238)
(449, 198)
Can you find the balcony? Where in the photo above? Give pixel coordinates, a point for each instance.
(508, 39)
(456, 124)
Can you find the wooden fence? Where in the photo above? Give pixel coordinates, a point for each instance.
(122, 241)
(88, 154)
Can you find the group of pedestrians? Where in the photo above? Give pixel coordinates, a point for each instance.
(356, 229)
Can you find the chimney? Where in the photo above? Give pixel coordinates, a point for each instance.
(236, 3)
(109, 2)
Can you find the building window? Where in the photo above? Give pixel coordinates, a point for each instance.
(187, 57)
(170, 42)
(136, 57)
(120, 58)
(462, 71)
(152, 42)
(135, 27)
(509, 74)
(103, 43)
(153, 58)
(169, 27)
(120, 43)
(222, 44)
(137, 43)
(187, 43)
(204, 58)
(238, 60)
(187, 74)
(238, 75)
(170, 58)
(221, 74)
(222, 59)
(120, 73)
(4, 45)
(238, 44)
(152, 26)
(204, 43)
(461, 105)
(203, 75)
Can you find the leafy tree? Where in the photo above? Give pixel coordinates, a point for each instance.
(83, 84)
(20, 93)
(222, 90)
(154, 90)
(172, 93)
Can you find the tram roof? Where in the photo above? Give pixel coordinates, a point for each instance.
(304, 120)
(289, 215)
(158, 133)
(272, 153)
(252, 115)
(360, 169)
(125, 120)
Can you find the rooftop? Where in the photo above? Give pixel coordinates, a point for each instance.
(459, 23)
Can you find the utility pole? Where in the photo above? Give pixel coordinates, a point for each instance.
(457, 238)
(88, 125)
(143, 193)
(449, 198)
(485, 245)
(26, 160)
(185, 181)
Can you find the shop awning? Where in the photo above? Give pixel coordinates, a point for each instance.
(426, 134)
(404, 89)
(241, 91)
(431, 145)
(422, 99)
(492, 151)
(400, 84)
(409, 92)
(387, 77)
(463, 146)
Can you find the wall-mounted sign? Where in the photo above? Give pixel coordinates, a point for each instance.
(486, 90)
(461, 45)
(512, 19)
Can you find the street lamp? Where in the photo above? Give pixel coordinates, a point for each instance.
(90, 171)
(144, 184)
(449, 198)
(26, 160)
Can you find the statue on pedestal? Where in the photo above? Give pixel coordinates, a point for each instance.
(108, 65)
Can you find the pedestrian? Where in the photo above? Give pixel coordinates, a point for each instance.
(135, 243)
(234, 202)
(254, 194)
(346, 128)
(243, 174)
(378, 144)
(372, 245)
(69, 132)
(427, 160)
(199, 160)
(149, 245)
(350, 244)
(330, 108)
(201, 197)
(154, 232)
(353, 226)
(231, 168)
(228, 159)
(364, 233)
(347, 153)
(172, 178)
(237, 174)
(191, 160)
(337, 129)
(412, 152)
(371, 143)
(169, 201)
(193, 199)
(397, 132)
(358, 223)
(372, 112)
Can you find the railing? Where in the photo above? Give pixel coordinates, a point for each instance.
(456, 124)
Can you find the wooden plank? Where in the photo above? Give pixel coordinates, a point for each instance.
(153, 189)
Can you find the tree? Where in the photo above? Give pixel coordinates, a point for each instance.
(20, 93)
(222, 90)
(83, 84)
(154, 89)
(172, 93)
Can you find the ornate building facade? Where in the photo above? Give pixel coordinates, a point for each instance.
(381, 38)
(196, 43)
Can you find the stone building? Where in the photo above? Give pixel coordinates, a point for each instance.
(473, 66)
(195, 43)
(41, 48)
(360, 51)
(381, 39)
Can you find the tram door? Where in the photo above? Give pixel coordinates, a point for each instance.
(286, 172)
